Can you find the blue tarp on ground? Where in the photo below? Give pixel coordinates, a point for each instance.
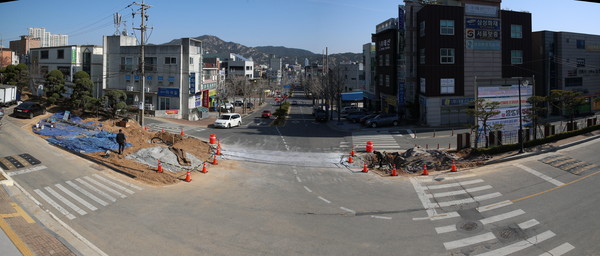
(77, 135)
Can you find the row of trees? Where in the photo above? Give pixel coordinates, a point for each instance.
(326, 88)
(564, 101)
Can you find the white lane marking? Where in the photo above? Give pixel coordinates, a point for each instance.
(66, 201)
(528, 224)
(448, 176)
(54, 204)
(469, 200)
(295, 171)
(307, 189)
(124, 182)
(540, 175)
(496, 218)
(298, 178)
(95, 182)
(515, 247)
(429, 207)
(348, 210)
(324, 200)
(469, 241)
(114, 184)
(560, 250)
(88, 185)
(457, 184)
(76, 197)
(28, 170)
(411, 133)
(459, 192)
(381, 217)
(88, 194)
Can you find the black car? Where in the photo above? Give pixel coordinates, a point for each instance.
(321, 115)
(29, 109)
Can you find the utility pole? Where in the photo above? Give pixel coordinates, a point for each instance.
(142, 30)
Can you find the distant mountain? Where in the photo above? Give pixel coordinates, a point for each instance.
(261, 54)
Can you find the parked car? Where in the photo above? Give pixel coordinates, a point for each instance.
(238, 103)
(321, 115)
(266, 114)
(348, 109)
(227, 107)
(29, 109)
(228, 120)
(355, 117)
(363, 120)
(249, 105)
(383, 120)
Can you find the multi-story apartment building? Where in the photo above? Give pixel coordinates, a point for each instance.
(275, 70)
(460, 46)
(354, 77)
(234, 64)
(69, 60)
(568, 61)
(23, 46)
(213, 78)
(48, 39)
(369, 93)
(173, 75)
(386, 66)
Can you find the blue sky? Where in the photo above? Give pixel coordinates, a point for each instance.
(340, 25)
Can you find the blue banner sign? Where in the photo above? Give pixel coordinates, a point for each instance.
(479, 23)
(490, 45)
(168, 92)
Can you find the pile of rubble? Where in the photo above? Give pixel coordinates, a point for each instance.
(414, 159)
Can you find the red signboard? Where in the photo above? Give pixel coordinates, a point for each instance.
(171, 112)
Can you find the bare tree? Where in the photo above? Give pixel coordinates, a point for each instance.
(482, 112)
(337, 80)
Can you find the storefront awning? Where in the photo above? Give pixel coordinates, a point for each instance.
(352, 96)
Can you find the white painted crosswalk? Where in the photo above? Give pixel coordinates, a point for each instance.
(382, 140)
(481, 225)
(87, 193)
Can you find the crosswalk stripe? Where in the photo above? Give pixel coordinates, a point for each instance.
(469, 200)
(469, 241)
(515, 247)
(88, 194)
(76, 197)
(88, 185)
(496, 218)
(457, 184)
(560, 250)
(528, 224)
(65, 201)
(95, 182)
(459, 192)
(125, 183)
(54, 204)
(479, 209)
(114, 184)
(540, 175)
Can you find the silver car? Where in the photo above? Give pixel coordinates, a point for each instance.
(383, 120)
(228, 120)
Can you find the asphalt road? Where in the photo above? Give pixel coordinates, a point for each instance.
(284, 191)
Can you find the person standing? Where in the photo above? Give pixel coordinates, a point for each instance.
(121, 141)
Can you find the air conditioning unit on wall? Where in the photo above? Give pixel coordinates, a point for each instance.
(129, 88)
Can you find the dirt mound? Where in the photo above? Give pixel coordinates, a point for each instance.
(414, 159)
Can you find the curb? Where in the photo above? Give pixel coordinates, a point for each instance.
(525, 155)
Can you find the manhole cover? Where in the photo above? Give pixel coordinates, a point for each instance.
(439, 179)
(509, 233)
(469, 226)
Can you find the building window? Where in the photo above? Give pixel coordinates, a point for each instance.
(447, 86)
(44, 55)
(126, 63)
(150, 63)
(422, 28)
(387, 60)
(573, 81)
(422, 84)
(191, 61)
(516, 31)
(422, 56)
(387, 80)
(516, 57)
(447, 56)
(580, 62)
(446, 27)
(580, 44)
(381, 78)
(170, 60)
(60, 54)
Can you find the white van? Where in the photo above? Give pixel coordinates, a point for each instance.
(228, 120)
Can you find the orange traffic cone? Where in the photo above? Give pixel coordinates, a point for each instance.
(188, 176)
(182, 133)
(365, 168)
(218, 151)
(394, 172)
(204, 168)
(219, 144)
(453, 167)
(163, 130)
(215, 162)
(425, 172)
(352, 153)
(159, 169)
(145, 128)
(350, 159)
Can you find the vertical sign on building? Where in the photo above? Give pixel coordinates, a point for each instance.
(73, 55)
(192, 83)
(400, 61)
